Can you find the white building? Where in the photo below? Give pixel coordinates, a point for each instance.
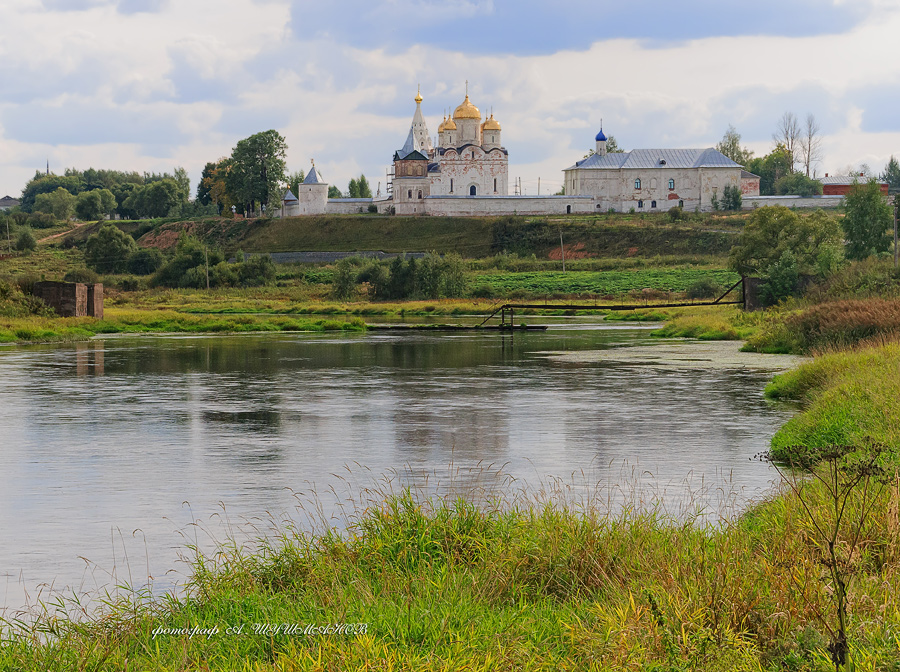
(651, 180)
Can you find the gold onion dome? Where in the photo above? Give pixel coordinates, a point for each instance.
(467, 110)
(491, 124)
(449, 125)
(443, 124)
(418, 97)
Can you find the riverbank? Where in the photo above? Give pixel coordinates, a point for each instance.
(512, 585)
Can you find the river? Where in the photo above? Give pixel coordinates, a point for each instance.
(118, 452)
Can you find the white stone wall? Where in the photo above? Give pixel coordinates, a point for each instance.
(475, 206)
(347, 206)
(751, 203)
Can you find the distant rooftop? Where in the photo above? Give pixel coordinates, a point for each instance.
(658, 158)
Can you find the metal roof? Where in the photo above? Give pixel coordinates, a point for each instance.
(746, 174)
(844, 179)
(313, 177)
(289, 196)
(658, 158)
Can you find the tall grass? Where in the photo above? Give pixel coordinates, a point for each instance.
(507, 584)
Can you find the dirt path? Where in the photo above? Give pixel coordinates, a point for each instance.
(58, 235)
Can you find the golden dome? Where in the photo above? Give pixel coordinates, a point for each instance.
(467, 110)
(418, 97)
(449, 125)
(491, 124)
(442, 124)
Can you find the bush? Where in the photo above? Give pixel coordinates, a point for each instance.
(704, 288)
(190, 253)
(373, 208)
(732, 198)
(41, 220)
(781, 280)
(85, 275)
(145, 261)
(257, 270)
(109, 250)
(26, 242)
(797, 184)
(676, 214)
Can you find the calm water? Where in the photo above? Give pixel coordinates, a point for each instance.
(111, 449)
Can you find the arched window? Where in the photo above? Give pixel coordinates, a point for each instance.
(420, 194)
(568, 209)
(495, 185)
(409, 194)
(680, 204)
(671, 184)
(640, 204)
(637, 183)
(451, 185)
(652, 204)
(472, 190)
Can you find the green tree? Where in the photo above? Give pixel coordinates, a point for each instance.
(365, 191)
(814, 240)
(93, 205)
(25, 241)
(731, 197)
(256, 170)
(183, 180)
(109, 250)
(770, 168)
(203, 186)
(294, 180)
(156, 199)
(867, 218)
(59, 203)
(353, 188)
(45, 184)
(780, 279)
(730, 146)
(797, 184)
(891, 175)
(145, 261)
(334, 192)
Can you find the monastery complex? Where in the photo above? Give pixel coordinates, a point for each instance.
(467, 173)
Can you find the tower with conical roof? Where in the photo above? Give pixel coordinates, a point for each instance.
(418, 139)
(312, 193)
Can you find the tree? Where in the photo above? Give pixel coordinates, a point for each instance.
(365, 191)
(811, 143)
(184, 184)
(294, 180)
(214, 186)
(731, 197)
(145, 261)
(156, 199)
(771, 168)
(59, 203)
(798, 184)
(867, 218)
(25, 242)
(109, 250)
(45, 184)
(730, 146)
(891, 175)
(203, 186)
(814, 241)
(788, 133)
(93, 205)
(353, 188)
(256, 170)
(334, 192)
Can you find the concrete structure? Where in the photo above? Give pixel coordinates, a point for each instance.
(8, 202)
(71, 299)
(792, 201)
(840, 185)
(749, 184)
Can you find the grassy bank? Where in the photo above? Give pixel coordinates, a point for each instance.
(537, 586)
(45, 329)
(848, 398)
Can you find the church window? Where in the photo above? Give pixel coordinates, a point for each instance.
(420, 194)
(637, 183)
(451, 185)
(409, 194)
(568, 209)
(472, 190)
(680, 204)
(495, 185)
(640, 204)
(671, 184)
(652, 204)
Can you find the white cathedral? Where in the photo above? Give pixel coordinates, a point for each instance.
(467, 173)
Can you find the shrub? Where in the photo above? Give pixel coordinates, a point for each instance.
(343, 281)
(145, 261)
(675, 214)
(781, 280)
(798, 184)
(373, 208)
(85, 275)
(704, 288)
(25, 241)
(109, 250)
(257, 270)
(731, 197)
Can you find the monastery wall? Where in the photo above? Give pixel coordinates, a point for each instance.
(753, 202)
(348, 206)
(482, 206)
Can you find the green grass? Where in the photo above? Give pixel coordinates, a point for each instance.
(512, 585)
(849, 398)
(604, 283)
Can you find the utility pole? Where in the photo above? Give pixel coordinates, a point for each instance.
(539, 186)
(562, 250)
(896, 250)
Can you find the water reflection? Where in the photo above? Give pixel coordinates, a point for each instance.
(117, 434)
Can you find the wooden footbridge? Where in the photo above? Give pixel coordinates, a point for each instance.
(509, 309)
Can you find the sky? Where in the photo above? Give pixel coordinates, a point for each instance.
(148, 85)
